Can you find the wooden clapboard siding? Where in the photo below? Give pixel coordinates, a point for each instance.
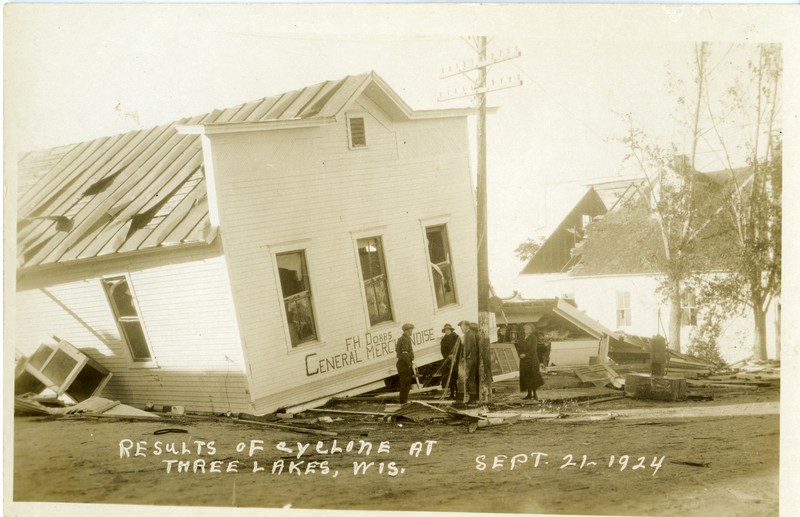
(308, 187)
(187, 312)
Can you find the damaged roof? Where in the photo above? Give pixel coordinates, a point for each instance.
(627, 240)
(146, 189)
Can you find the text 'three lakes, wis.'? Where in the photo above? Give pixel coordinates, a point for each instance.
(292, 458)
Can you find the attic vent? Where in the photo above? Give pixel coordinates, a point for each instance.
(358, 134)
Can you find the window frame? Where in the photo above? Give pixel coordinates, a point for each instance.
(428, 225)
(385, 274)
(118, 320)
(285, 249)
(688, 308)
(348, 118)
(366, 233)
(623, 311)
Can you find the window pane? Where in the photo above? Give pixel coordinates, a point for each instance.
(134, 335)
(292, 271)
(436, 245)
(120, 294)
(296, 290)
(376, 285)
(370, 254)
(122, 303)
(59, 367)
(300, 318)
(441, 269)
(377, 292)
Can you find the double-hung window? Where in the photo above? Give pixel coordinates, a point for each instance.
(688, 309)
(376, 284)
(441, 266)
(120, 298)
(296, 289)
(623, 309)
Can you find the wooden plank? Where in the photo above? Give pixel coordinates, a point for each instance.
(347, 412)
(284, 427)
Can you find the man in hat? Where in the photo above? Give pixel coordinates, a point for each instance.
(405, 359)
(470, 358)
(450, 366)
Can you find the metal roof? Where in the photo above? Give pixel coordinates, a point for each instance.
(146, 189)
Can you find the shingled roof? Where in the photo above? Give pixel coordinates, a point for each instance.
(146, 189)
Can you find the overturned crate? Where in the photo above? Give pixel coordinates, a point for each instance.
(62, 368)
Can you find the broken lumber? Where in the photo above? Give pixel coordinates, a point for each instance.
(388, 395)
(417, 411)
(285, 427)
(346, 412)
(600, 401)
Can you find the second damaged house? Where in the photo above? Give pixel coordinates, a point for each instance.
(253, 258)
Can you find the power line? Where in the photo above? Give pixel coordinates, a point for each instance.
(603, 139)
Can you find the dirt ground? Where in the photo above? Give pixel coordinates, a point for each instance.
(673, 466)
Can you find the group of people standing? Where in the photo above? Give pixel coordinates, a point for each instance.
(454, 347)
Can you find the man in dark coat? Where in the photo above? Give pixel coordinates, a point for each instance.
(470, 342)
(450, 367)
(405, 360)
(530, 377)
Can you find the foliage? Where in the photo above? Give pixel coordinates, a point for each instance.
(716, 302)
(528, 248)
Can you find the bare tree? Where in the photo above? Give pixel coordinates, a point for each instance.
(676, 195)
(754, 200)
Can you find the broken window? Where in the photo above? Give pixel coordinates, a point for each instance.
(623, 309)
(688, 309)
(358, 132)
(122, 303)
(376, 285)
(441, 267)
(296, 290)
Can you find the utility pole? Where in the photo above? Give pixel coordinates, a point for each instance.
(478, 94)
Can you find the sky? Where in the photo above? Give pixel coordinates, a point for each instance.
(75, 73)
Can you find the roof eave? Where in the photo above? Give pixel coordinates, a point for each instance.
(246, 127)
(210, 240)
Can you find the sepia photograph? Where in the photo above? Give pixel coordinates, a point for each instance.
(463, 259)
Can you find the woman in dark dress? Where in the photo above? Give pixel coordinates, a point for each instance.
(530, 377)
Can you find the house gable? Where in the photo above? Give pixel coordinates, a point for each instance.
(555, 254)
